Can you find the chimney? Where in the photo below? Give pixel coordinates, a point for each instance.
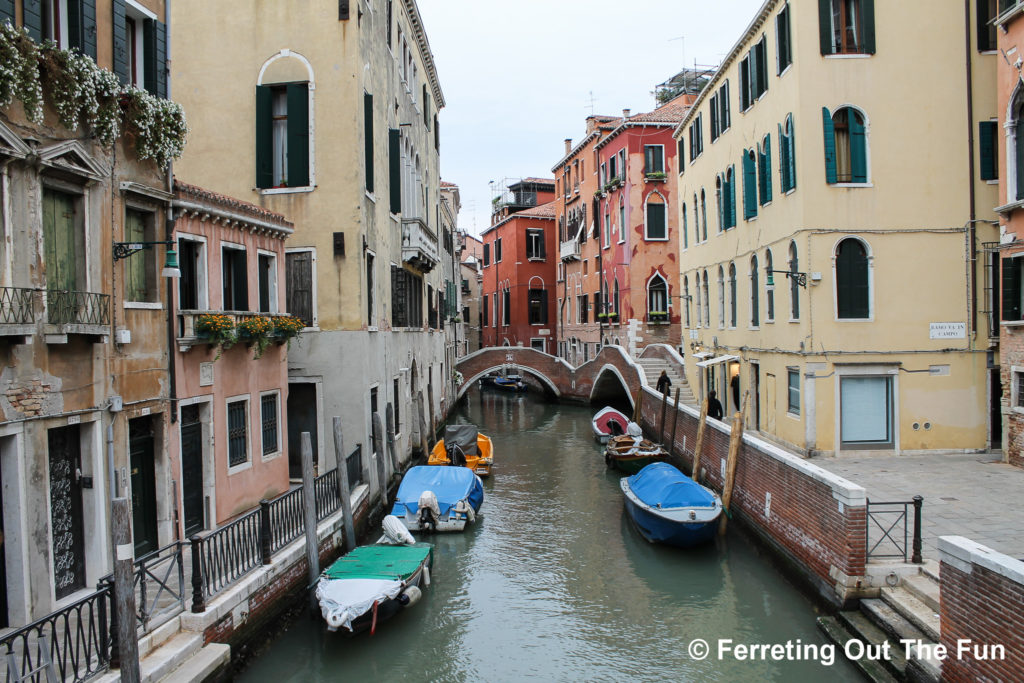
(568, 145)
(625, 113)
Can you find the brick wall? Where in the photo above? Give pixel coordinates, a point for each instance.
(815, 519)
(981, 597)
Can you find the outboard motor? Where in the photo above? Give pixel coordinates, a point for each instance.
(429, 513)
(456, 456)
(615, 427)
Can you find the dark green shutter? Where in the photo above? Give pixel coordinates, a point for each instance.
(343, 10)
(120, 42)
(680, 148)
(487, 254)
(543, 248)
(987, 148)
(161, 60)
(852, 295)
(7, 11)
(825, 26)
(32, 17)
(830, 146)
(766, 175)
(368, 139)
(783, 170)
(149, 55)
(298, 134)
(426, 108)
(87, 12)
(749, 187)
(731, 191)
(867, 17)
(1011, 289)
(791, 156)
(74, 9)
(858, 148)
(264, 137)
(395, 169)
(437, 135)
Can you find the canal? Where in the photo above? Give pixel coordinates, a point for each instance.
(554, 584)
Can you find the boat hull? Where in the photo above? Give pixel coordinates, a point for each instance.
(631, 464)
(480, 464)
(385, 610)
(600, 424)
(670, 527)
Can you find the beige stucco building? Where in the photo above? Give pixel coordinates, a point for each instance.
(805, 154)
(327, 114)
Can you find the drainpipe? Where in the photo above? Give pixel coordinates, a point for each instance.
(168, 235)
(971, 284)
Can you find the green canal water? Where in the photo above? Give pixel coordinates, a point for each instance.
(554, 584)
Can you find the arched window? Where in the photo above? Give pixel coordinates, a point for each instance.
(616, 299)
(764, 170)
(622, 219)
(1015, 147)
(853, 284)
(846, 149)
(703, 215)
(729, 198)
(755, 312)
(732, 295)
(686, 298)
(787, 155)
(697, 294)
(794, 288)
(656, 227)
(721, 297)
(696, 220)
(657, 299)
(284, 134)
(685, 230)
(719, 208)
(707, 302)
(749, 184)
(769, 291)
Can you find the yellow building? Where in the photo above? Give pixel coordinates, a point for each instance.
(326, 112)
(837, 211)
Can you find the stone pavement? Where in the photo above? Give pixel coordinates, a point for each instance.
(975, 495)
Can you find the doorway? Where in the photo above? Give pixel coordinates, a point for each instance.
(192, 469)
(66, 510)
(734, 387)
(755, 386)
(995, 420)
(143, 469)
(302, 417)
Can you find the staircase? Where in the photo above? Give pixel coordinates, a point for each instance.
(907, 611)
(170, 654)
(652, 370)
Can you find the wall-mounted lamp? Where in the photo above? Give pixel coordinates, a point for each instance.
(801, 278)
(126, 249)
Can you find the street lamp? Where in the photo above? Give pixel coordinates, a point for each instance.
(800, 278)
(126, 249)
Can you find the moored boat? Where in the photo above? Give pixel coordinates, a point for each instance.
(511, 383)
(630, 454)
(668, 507)
(607, 423)
(463, 445)
(438, 498)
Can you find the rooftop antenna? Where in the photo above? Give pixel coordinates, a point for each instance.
(591, 102)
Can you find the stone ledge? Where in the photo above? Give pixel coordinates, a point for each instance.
(962, 553)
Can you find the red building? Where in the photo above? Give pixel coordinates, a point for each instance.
(520, 252)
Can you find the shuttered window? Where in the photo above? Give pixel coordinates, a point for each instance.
(32, 17)
(783, 49)
(299, 273)
(154, 50)
(749, 185)
(656, 228)
(986, 29)
(732, 295)
(988, 151)
(853, 294)
(764, 171)
(395, 170)
(61, 242)
(7, 11)
(730, 197)
(845, 146)
(238, 441)
(755, 308)
(787, 155)
(846, 26)
(140, 267)
(406, 298)
(483, 312)
(368, 140)
(1013, 294)
(235, 276)
(81, 26)
(654, 159)
(282, 135)
(535, 244)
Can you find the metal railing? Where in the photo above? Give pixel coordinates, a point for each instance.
(354, 463)
(328, 498)
(159, 585)
(286, 520)
(77, 308)
(887, 534)
(73, 643)
(17, 306)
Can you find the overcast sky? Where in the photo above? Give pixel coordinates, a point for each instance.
(517, 76)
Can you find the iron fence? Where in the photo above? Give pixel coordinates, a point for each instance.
(354, 463)
(888, 530)
(77, 308)
(286, 520)
(70, 645)
(159, 585)
(328, 498)
(17, 306)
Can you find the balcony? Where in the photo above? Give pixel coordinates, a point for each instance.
(85, 313)
(569, 250)
(187, 336)
(419, 245)
(17, 313)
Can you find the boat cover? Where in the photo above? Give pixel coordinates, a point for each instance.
(343, 601)
(448, 484)
(391, 562)
(610, 421)
(662, 485)
(463, 436)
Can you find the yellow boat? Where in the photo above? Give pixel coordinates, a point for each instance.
(463, 445)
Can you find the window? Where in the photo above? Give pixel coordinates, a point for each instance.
(497, 250)
(755, 310)
(866, 419)
(615, 299)
(396, 396)
(1013, 289)
(749, 184)
(238, 433)
(654, 159)
(719, 202)
(986, 28)
(680, 148)
(607, 228)
(845, 146)
(483, 312)
(506, 307)
(299, 290)
(794, 287)
(63, 241)
(369, 289)
(696, 136)
(235, 276)
(853, 293)
(707, 301)
(267, 275)
(613, 170)
(270, 419)
(726, 195)
(192, 294)
(732, 295)
(407, 298)
(721, 296)
(487, 254)
(753, 74)
(494, 309)
(657, 299)
(769, 291)
(793, 406)
(699, 298)
(783, 48)
(764, 171)
(846, 26)
(686, 298)
(703, 214)
(787, 156)
(282, 135)
(139, 41)
(1015, 149)
(685, 230)
(537, 306)
(604, 176)
(368, 140)
(989, 166)
(397, 164)
(720, 114)
(622, 220)
(622, 163)
(140, 278)
(581, 308)
(656, 227)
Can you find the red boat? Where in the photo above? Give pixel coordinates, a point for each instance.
(607, 423)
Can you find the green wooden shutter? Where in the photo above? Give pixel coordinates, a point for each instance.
(59, 241)
(87, 13)
(867, 17)
(766, 176)
(543, 247)
(825, 26)
(749, 187)
(437, 135)
(858, 148)
(343, 10)
(149, 56)
(298, 134)
(830, 146)
(1011, 289)
(264, 137)
(135, 265)
(368, 139)
(161, 60)
(987, 149)
(7, 11)
(395, 169)
(426, 107)
(791, 156)
(852, 294)
(32, 17)
(783, 170)
(120, 42)
(731, 187)
(74, 11)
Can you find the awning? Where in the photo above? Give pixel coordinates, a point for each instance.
(716, 360)
(703, 354)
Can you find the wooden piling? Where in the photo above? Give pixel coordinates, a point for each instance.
(389, 418)
(675, 421)
(124, 589)
(664, 409)
(309, 515)
(344, 489)
(637, 404)
(735, 439)
(425, 438)
(378, 449)
(702, 424)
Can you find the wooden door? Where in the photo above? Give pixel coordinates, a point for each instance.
(769, 403)
(66, 510)
(143, 469)
(299, 290)
(192, 469)
(302, 417)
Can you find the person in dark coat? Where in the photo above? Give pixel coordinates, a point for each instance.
(714, 406)
(664, 383)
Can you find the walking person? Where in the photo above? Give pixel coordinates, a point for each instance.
(664, 383)
(714, 406)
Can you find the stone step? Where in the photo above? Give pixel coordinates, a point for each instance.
(202, 665)
(930, 568)
(890, 621)
(887, 652)
(159, 636)
(838, 634)
(924, 588)
(169, 656)
(913, 610)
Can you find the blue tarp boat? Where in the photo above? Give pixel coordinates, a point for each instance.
(438, 498)
(668, 507)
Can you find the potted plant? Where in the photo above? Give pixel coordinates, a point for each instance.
(658, 316)
(216, 329)
(655, 175)
(287, 328)
(257, 331)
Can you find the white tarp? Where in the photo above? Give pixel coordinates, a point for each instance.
(343, 600)
(716, 360)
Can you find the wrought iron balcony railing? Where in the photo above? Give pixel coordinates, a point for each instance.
(77, 308)
(17, 306)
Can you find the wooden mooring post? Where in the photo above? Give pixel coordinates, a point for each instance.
(638, 404)
(124, 589)
(345, 490)
(735, 440)
(309, 515)
(378, 449)
(389, 417)
(664, 409)
(702, 424)
(675, 421)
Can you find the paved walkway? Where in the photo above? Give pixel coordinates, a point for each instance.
(976, 496)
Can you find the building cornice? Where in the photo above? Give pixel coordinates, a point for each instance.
(428, 56)
(633, 124)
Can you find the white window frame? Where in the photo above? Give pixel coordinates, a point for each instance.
(151, 254)
(312, 274)
(1016, 373)
(664, 201)
(871, 281)
(235, 247)
(202, 274)
(799, 392)
(287, 53)
(278, 450)
(664, 164)
(274, 293)
(138, 13)
(877, 370)
(240, 398)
